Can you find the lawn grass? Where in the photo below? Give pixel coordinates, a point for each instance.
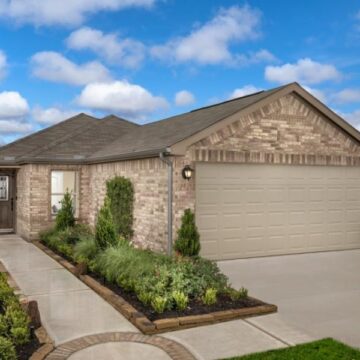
(326, 349)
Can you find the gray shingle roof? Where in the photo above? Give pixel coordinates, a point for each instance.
(161, 134)
(84, 139)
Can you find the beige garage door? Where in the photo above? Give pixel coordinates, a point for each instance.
(259, 210)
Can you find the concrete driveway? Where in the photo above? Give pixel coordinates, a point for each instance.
(317, 294)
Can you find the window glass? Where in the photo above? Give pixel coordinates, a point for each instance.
(4, 188)
(62, 181)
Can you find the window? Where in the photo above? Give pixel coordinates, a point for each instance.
(4, 188)
(62, 181)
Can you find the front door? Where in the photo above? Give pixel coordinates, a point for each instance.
(7, 193)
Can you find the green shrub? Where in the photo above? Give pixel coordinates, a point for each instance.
(209, 297)
(19, 324)
(14, 323)
(105, 234)
(57, 240)
(235, 295)
(85, 249)
(121, 194)
(65, 216)
(188, 239)
(72, 235)
(181, 300)
(7, 349)
(159, 303)
(4, 327)
(20, 335)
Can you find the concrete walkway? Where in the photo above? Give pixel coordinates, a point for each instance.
(71, 311)
(68, 308)
(318, 293)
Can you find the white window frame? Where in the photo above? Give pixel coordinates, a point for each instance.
(75, 193)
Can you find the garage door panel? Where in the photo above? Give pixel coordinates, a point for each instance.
(259, 210)
(208, 222)
(231, 196)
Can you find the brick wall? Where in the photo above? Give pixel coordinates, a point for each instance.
(149, 177)
(23, 201)
(33, 192)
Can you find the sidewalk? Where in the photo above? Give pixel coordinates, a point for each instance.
(68, 308)
(76, 317)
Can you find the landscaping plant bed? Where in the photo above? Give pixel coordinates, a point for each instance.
(22, 336)
(195, 307)
(150, 322)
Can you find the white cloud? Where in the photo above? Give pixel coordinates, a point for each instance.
(51, 115)
(52, 66)
(319, 94)
(122, 97)
(347, 96)
(125, 52)
(304, 71)
(14, 127)
(12, 105)
(63, 13)
(210, 43)
(13, 111)
(245, 90)
(3, 65)
(353, 118)
(184, 97)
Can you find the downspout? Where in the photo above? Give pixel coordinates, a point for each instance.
(169, 164)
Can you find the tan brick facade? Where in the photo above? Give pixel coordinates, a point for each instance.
(149, 177)
(287, 131)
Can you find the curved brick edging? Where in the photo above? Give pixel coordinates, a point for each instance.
(175, 350)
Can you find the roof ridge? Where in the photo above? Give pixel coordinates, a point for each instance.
(43, 130)
(108, 117)
(62, 138)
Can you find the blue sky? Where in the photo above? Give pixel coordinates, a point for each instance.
(149, 59)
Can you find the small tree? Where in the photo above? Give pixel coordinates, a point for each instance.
(65, 217)
(121, 194)
(105, 234)
(188, 240)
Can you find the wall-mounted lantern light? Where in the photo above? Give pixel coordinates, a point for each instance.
(187, 172)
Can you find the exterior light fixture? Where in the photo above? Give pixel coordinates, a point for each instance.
(187, 172)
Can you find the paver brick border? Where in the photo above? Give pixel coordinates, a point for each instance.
(46, 343)
(158, 326)
(175, 350)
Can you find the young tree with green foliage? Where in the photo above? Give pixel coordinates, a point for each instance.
(121, 193)
(65, 217)
(188, 240)
(105, 233)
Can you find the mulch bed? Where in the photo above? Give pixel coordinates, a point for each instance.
(150, 322)
(24, 352)
(195, 307)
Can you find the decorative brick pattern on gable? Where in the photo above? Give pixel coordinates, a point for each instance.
(287, 126)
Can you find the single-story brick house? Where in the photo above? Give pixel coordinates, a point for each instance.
(275, 172)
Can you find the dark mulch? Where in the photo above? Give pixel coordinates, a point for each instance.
(24, 352)
(195, 307)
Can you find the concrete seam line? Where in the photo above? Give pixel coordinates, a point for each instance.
(267, 332)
